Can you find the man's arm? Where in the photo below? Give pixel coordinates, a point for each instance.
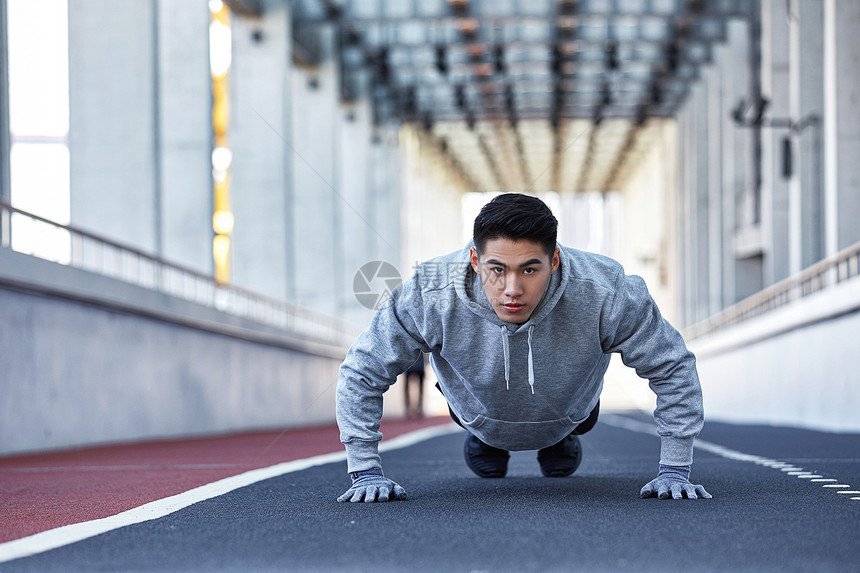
(631, 324)
(384, 350)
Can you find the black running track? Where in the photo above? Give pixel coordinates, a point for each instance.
(760, 519)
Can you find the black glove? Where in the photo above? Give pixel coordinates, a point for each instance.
(370, 485)
(673, 482)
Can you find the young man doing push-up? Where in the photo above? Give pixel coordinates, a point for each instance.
(520, 331)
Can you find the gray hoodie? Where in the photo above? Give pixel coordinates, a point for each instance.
(520, 386)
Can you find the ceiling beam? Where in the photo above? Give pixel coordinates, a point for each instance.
(491, 162)
(379, 11)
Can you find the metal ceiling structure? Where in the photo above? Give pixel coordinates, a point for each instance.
(527, 95)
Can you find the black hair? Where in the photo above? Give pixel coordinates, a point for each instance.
(516, 216)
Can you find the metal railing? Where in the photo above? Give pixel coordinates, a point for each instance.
(828, 272)
(105, 257)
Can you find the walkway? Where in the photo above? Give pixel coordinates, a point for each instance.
(784, 500)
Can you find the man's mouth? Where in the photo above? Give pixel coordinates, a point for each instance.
(513, 306)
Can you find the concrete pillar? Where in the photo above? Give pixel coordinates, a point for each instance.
(810, 149)
(738, 50)
(5, 143)
(640, 218)
(113, 126)
(694, 210)
(741, 146)
(775, 86)
(185, 127)
(723, 135)
(795, 210)
(684, 210)
(317, 205)
(388, 188)
(806, 99)
(370, 211)
(713, 81)
(721, 257)
(842, 122)
(431, 205)
(700, 214)
(261, 104)
(5, 191)
(672, 236)
(358, 226)
(140, 125)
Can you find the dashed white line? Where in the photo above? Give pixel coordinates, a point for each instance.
(785, 467)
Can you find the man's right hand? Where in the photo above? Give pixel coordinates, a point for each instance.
(370, 486)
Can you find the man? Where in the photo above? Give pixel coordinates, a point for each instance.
(520, 333)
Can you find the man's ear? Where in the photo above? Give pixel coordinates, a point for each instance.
(555, 260)
(473, 256)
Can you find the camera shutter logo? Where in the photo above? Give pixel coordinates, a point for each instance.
(373, 284)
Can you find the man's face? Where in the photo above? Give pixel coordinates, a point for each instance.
(514, 275)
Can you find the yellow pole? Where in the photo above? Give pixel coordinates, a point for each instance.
(222, 218)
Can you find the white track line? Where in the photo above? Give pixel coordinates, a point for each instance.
(54, 538)
(788, 469)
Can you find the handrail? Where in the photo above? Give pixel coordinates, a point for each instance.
(90, 252)
(825, 273)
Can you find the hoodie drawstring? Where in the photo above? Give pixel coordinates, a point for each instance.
(531, 361)
(507, 353)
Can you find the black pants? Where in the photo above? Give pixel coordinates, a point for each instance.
(583, 427)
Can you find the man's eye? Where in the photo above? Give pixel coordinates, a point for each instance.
(497, 270)
(528, 271)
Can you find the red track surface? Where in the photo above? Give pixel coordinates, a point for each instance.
(43, 491)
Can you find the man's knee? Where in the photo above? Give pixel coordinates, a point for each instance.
(589, 423)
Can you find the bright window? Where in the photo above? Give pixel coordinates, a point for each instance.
(38, 52)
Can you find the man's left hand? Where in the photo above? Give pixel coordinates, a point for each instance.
(673, 482)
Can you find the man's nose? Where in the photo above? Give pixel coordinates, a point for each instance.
(512, 286)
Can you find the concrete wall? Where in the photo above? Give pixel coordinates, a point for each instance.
(791, 366)
(733, 244)
(87, 360)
